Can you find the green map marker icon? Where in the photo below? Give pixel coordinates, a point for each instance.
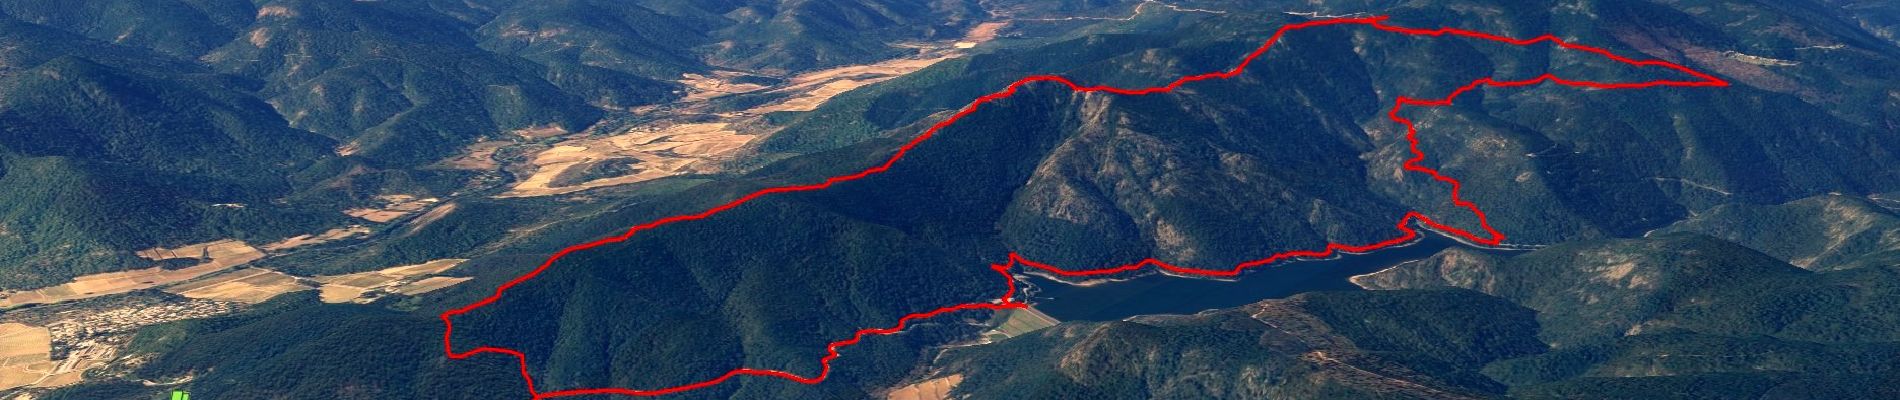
(180, 395)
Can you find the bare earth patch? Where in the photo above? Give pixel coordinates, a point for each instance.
(348, 148)
(394, 206)
(479, 156)
(325, 237)
(430, 217)
(982, 32)
(540, 132)
(702, 88)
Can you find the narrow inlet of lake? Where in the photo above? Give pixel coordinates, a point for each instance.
(1161, 294)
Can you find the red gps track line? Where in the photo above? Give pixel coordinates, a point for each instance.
(1405, 225)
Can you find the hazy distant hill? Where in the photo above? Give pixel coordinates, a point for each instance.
(1588, 291)
(664, 38)
(1717, 321)
(1680, 311)
(1878, 17)
(1388, 344)
(1824, 232)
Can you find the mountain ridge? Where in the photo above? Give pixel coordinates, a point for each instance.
(1410, 233)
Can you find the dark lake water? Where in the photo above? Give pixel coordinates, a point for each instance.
(1161, 294)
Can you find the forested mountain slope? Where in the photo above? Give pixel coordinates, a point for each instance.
(1648, 205)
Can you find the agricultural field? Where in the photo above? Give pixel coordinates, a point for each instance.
(934, 389)
(670, 148)
(25, 353)
(809, 90)
(806, 92)
(650, 152)
(57, 345)
(430, 284)
(365, 287)
(250, 285)
(218, 256)
(397, 205)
